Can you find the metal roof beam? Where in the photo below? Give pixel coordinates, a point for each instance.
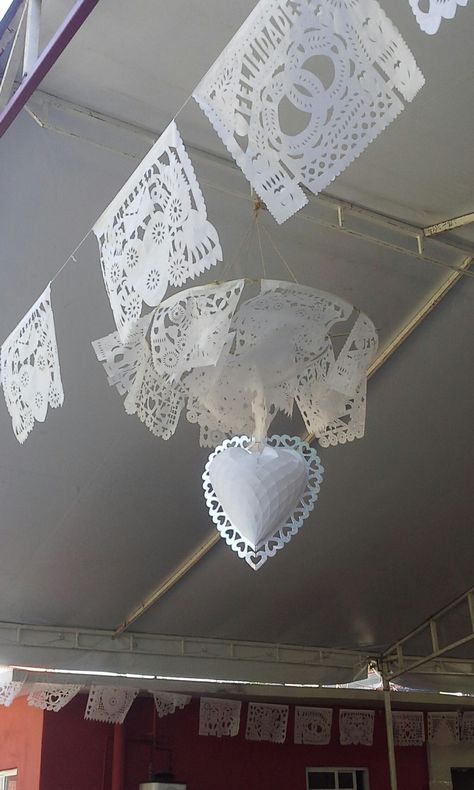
(215, 661)
(180, 663)
(326, 211)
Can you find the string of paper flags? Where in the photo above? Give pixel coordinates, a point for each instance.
(429, 16)
(228, 360)
(156, 233)
(265, 721)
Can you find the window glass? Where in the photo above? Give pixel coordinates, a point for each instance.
(337, 779)
(347, 780)
(321, 780)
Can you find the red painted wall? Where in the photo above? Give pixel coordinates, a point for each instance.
(21, 730)
(76, 754)
(208, 763)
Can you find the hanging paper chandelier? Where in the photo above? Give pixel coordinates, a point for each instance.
(231, 363)
(232, 355)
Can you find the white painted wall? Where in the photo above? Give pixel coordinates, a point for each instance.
(442, 758)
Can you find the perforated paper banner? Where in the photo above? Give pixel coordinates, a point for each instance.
(408, 728)
(313, 725)
(49, 696)
(444, 727)
(168, 702)
(356, 727)
(31, 377)
(219, 717)
(467, 729)
(155, 233)
(430, 13)
(188, 330)
(122, 360)
(106, 703)
(302, 89)
(9, 691)
(266, 722)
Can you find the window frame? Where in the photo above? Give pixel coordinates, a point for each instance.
(336, 771)
(5, 775)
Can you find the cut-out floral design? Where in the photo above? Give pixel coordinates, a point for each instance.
(155, 233)
(31, 375)
(302, 89)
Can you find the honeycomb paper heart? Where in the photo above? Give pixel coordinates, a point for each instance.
(258, 490)
(259, 500)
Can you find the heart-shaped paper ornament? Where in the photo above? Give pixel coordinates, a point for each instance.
(259, 498)
(258, 490)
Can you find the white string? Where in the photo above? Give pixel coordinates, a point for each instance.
(72, 256)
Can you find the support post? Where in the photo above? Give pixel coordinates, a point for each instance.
(118, 754)
(390, 743)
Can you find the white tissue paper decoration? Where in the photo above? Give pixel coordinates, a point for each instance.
(155, 233)
(168, 702)
(106, 703)
(408, 728)
(444, 728)
(266, 722)
(49, 696)
(234, 366)
(280, 352)
(31, 377)
(259, 495)
(258, 490)
(302, 89)
(219, 717)
(467, 729)
(9, 691)
(121, 361)
(356, 727)
(313, 725)
(430, 18)
(189, 329)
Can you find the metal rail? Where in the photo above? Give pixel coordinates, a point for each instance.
(396, 663)
(56, 46)
(216, 660)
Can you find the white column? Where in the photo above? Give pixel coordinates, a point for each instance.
(390, 744)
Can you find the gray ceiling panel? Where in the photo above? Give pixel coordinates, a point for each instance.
(94, 512)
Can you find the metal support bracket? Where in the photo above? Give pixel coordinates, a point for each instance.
(449, 224)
